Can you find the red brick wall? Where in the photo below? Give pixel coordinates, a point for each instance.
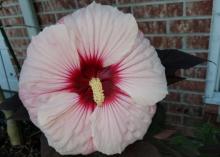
(177, 24)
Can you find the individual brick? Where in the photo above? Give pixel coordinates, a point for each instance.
(20, 53)
(176, 108)
(185, 109)
(152, 27)
(190, 26)
(174, 42)
(9, 2)
(191, 121)
(193, 99)
(19, 43)
(47, 19)
(83, 3)
(44, 6)
(196, 86)
(9, 11)
(173, 119)
(211, 113)
(195, 72)
(124, 1)
(158, 42)
(174, 9)
(16, 32)
(60, 15)
(13, 21)
(55, 5)
(159, 10)
(184, 130)
(199, 8)
(194, 111)
(197, 42)
(150, 11)
(172, 96)
(166, 42)
(63, 4)
(211, 109)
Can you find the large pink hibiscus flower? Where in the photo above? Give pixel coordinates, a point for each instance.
(91, 82)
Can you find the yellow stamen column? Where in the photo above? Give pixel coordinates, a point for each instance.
(98, 92)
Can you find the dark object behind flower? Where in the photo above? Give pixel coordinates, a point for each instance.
(174, 60)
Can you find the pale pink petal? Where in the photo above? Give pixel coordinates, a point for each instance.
(116, 125)
(102, 31)
(142, 74)
(66, 124)
(50, 57)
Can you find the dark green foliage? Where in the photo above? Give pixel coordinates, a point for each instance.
(207, 134)
(205, 143)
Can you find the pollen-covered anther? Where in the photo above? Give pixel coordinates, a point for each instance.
(97, 90)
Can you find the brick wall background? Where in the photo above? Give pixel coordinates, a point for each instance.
(179, 24)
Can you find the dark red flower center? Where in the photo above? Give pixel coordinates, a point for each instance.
(92, 67)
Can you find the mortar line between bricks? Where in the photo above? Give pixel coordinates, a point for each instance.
(182, 119)
(9, 5)
(174, 125)
(201, 66)
(184, 7)
(147, 19)
(183, 115)
(184, 41)
(15, 27)
(11, 16)
(154, 3)
(176, 34)
(167, 27)
(18, 38)
(186, 91)
(195, 79)
(178, 125)
(8, 28)
(181, 95)
(182, 103)
(57, 11)
(148, 3)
